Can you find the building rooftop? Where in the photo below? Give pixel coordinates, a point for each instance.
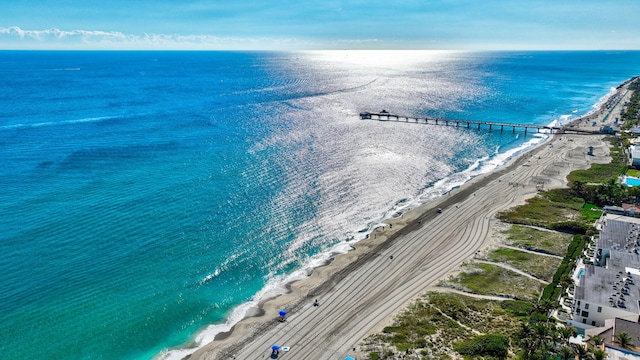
(625, 261)
(611, 282)
(620, 233)
(613, 327)
(609, 287)
(631, 328)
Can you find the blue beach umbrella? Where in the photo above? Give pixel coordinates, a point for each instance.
(275, 347)
(283, 313)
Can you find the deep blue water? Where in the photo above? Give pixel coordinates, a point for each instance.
(146, 195)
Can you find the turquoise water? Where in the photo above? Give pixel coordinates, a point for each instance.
(631, 181)
(580, 273)
(146, 196)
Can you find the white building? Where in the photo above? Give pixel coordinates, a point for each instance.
(608, 289)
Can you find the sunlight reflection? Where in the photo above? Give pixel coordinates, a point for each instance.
(381, 58)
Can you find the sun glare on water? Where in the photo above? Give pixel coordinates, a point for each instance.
(380, 58)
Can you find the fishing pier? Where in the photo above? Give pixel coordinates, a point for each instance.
(479, 124)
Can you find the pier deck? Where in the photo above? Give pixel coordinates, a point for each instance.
(385, 116)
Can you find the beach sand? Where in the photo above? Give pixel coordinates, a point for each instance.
(360, 292)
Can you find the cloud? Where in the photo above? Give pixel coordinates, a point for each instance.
(50, 34)
(15, 37)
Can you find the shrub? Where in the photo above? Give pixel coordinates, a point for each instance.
(517, 307)
(570, 226)
(494, 345)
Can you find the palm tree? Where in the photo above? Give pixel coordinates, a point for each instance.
(599, 354)
(543, 307)
(582, 353)
(565, 281)
(566, 353)
(624, 340)
(527, 340)
(565, 333)
(610, 192)
(595, 340)
(535, 340)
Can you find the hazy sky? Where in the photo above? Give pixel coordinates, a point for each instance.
(326, 24)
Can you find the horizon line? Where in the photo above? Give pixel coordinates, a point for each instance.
(305, 50)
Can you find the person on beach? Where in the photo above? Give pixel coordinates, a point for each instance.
(315, 303)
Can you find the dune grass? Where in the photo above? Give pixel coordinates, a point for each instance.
(540, 266)
(432, 325)
(487, 279)
(527, 237)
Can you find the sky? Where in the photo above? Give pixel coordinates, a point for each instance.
(321, 24)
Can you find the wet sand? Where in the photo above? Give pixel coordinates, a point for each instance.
(360, 291)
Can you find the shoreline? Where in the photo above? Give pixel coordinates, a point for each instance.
(323, 279)
(254, 308)
(257, 309)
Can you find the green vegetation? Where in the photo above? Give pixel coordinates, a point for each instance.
(539, 338)
(517, 308)
(598, 173)
(540, 266)
(438, 325)
(534, 239)
(632, 114)
(599, 184)
(608, 193)
(493, 345)
(602, 173)
(624, 340)
(554, 289)
(487, 279)
(564, 198)
(590, 213)
(431, 326)
(485, 316)
(556, 209)
(633, 172)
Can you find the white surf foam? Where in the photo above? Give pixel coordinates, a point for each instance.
(57, 123)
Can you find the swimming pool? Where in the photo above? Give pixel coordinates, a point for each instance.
(632, 181)
(580, 273)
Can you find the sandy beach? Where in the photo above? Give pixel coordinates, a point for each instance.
(360, 291)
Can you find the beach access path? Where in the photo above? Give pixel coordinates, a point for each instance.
(361, 291)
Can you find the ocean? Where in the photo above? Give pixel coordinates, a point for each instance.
(149, 198)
